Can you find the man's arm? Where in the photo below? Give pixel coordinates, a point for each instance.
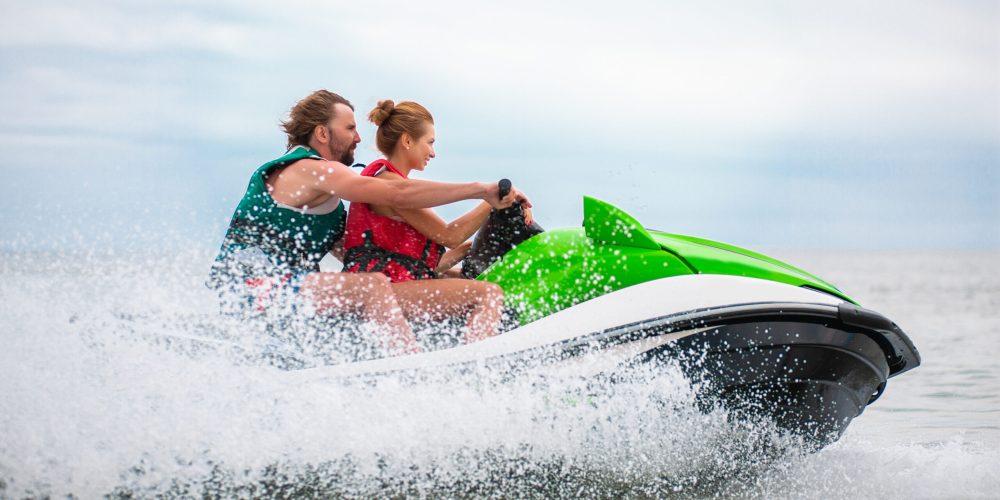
(338, 179)
(337, 249)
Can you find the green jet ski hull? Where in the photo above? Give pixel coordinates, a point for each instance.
(811, 364)
(755, 334)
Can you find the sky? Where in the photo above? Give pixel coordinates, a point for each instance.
(781, 124)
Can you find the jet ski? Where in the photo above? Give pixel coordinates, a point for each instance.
(754, 334)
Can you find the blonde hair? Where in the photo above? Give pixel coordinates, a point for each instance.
(314, 109)
(393, 120)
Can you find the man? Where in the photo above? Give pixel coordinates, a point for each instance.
(292, 215)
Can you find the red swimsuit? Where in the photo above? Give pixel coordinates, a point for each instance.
(375, 243)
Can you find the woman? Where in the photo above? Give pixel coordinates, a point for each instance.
(409, 244)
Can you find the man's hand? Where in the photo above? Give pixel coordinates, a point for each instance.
(493, 197)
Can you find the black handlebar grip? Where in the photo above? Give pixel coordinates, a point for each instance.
(505, 186)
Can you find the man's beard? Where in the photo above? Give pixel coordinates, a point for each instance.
(345, 156)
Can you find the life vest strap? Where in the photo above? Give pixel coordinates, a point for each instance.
(369, 257)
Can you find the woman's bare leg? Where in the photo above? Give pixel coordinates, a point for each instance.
(368, 294)
(479, 301)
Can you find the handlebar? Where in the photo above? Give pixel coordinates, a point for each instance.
(505, 186)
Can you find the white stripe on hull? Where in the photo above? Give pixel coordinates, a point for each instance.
(653, 299)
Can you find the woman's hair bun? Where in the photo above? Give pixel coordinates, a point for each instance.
(382, 111)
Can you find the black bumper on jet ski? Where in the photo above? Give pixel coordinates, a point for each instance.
(811, 368)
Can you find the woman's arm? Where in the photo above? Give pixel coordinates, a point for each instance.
(450, 234)
(350, 186)
(451, 258)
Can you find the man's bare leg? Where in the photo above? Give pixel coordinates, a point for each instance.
(479, 302)
(366, 293)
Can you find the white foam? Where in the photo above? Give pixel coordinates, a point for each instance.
(88, 398)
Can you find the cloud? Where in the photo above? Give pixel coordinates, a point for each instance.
(666, 73)
(119, 27)
(662, 104)
(700, 73)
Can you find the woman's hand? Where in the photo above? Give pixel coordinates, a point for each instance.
(453, 257)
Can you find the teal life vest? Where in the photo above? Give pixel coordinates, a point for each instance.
(267, 239)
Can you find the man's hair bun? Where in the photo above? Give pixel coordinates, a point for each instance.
(381, 112)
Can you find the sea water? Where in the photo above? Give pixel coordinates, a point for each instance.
(110, 385)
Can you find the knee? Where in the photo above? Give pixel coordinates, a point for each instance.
(375, 281)
(492, 293)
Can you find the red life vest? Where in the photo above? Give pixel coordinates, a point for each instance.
(375, 243)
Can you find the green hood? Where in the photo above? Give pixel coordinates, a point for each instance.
(563, 267)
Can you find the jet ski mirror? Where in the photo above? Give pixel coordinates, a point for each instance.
(502, 231)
